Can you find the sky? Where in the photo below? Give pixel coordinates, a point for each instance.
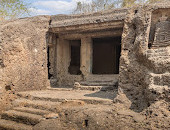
(53, 7)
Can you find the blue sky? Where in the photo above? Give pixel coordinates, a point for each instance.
(52, 7)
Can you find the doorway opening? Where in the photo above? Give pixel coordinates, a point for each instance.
(74, 68)
(48, 63)
(106, 55)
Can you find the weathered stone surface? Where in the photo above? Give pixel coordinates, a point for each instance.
(144, 69)
(51, 116)
(23, 54)
(144, 76)
(159, 28)
(162, 34)
(91, 18)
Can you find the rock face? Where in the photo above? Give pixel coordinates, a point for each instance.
(144, 70)
(23, 54)
(145, 58)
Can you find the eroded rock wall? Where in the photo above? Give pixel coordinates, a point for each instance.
(145, 59)
(23, 55)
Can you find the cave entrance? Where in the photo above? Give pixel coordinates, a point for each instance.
(74, 68)
(106, 54)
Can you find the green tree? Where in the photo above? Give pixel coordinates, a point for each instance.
(10, 9)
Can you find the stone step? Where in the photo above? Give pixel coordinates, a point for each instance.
(158, 45)
(158, 50)
(155, 51)
(52, 105)
(50, 99)
(158, 55)
(12, 125)
(37, 104)
(59, 89)
(22, 117)
(98, 83)
(159, 89)
(161, 79)
(102, 78)
(160, 59)
(32, 110)
(97, 88)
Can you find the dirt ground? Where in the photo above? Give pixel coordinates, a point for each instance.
(81, 116)
(78, 114)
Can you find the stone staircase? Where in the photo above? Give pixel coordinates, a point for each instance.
(160, 59)
(160, 77)
(30, 108)
(21, 118)
(158, 52)
(24, 115)
(99, 82)
(98, 85)
(159, 83)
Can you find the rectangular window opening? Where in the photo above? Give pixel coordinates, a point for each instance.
(74, 68)
(106, 55)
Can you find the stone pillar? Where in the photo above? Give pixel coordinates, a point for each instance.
(86, 56)
(52, 45)
(66, 58)
(63, 59)
(59, 57)
(55, 57)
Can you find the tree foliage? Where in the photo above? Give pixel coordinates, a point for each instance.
(10, 9)
(99, 5)
(94, 6)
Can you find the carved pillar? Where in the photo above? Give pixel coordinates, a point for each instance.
(86, 56)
